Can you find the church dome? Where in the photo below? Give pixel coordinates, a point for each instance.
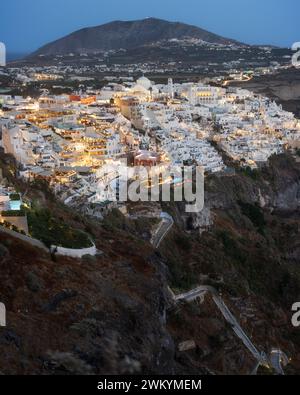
(144, 82)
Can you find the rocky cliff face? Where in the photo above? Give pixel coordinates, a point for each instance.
(252, 240)
(113, 313)
(275, 187)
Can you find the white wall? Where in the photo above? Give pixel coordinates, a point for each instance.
(73, 253)
(2, 315)
(27, 239)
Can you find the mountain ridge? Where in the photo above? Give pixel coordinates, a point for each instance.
(127, 35)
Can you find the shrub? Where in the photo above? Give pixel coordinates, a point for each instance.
(254, 213)
(52, 231)
(15, 197)
(183, 242)
(252, 173)
(182, 276)
(33, 283)
(13, 213)
(231, 247)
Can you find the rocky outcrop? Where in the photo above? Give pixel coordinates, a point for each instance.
(201, 221)
(288, 199)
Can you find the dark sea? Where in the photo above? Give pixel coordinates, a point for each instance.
(15, 56)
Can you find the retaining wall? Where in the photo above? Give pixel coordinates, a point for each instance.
(74, 253)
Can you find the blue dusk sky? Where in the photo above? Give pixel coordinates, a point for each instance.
(26, 25)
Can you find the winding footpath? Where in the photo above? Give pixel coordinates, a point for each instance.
(163, 229)
(277, 357)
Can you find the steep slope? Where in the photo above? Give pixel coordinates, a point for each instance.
(111, 313)
(127, 35)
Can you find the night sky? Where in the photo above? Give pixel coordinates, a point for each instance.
(26, 25)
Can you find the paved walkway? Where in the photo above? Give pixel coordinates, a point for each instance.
(277, 357)
(164, 227)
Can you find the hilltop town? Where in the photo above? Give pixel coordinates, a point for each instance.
(149, 193)
(66, 140)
